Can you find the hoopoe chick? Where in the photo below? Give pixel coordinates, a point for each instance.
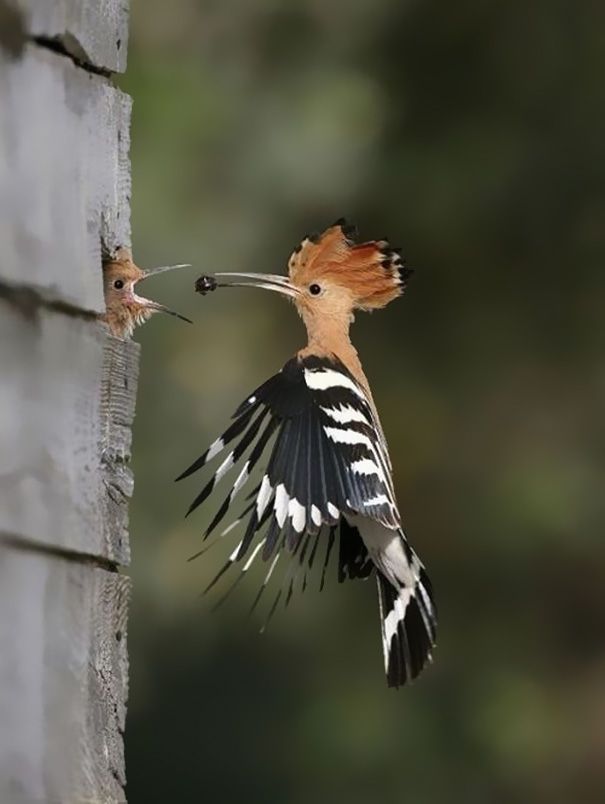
(328, 473)
(125, 310)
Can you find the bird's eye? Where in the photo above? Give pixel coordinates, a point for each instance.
(314, 289)
(118, 284)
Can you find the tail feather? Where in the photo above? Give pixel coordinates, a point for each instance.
(408, 622)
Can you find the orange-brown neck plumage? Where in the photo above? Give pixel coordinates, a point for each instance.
(327, 335)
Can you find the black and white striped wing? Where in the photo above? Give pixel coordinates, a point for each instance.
(328, 457)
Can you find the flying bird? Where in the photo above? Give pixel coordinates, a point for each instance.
(328, 474)
(125, 310)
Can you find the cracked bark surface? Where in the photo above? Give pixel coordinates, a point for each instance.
(67, 399)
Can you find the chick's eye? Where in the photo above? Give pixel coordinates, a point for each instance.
(118, 284)
(314, 290)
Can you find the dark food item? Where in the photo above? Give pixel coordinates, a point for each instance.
(205, 283)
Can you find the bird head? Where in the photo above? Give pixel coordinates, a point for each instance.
(125, 309)
(332, 275)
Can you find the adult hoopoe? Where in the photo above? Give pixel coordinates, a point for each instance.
(124, 308)
(329, 469)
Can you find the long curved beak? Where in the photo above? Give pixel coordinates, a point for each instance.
(280, 284)
(156, 306)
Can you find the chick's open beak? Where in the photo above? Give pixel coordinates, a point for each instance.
(163, 268)
(156, 306)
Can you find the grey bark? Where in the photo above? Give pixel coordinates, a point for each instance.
(67, 395)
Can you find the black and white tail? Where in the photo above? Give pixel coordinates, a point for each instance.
(408, 623)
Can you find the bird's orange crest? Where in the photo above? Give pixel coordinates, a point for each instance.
(374, 272)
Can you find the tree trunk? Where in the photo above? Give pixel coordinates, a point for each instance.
(67, 391)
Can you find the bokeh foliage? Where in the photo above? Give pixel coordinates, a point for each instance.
(472, 134)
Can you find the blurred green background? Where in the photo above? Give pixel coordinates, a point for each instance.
(472, 134)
